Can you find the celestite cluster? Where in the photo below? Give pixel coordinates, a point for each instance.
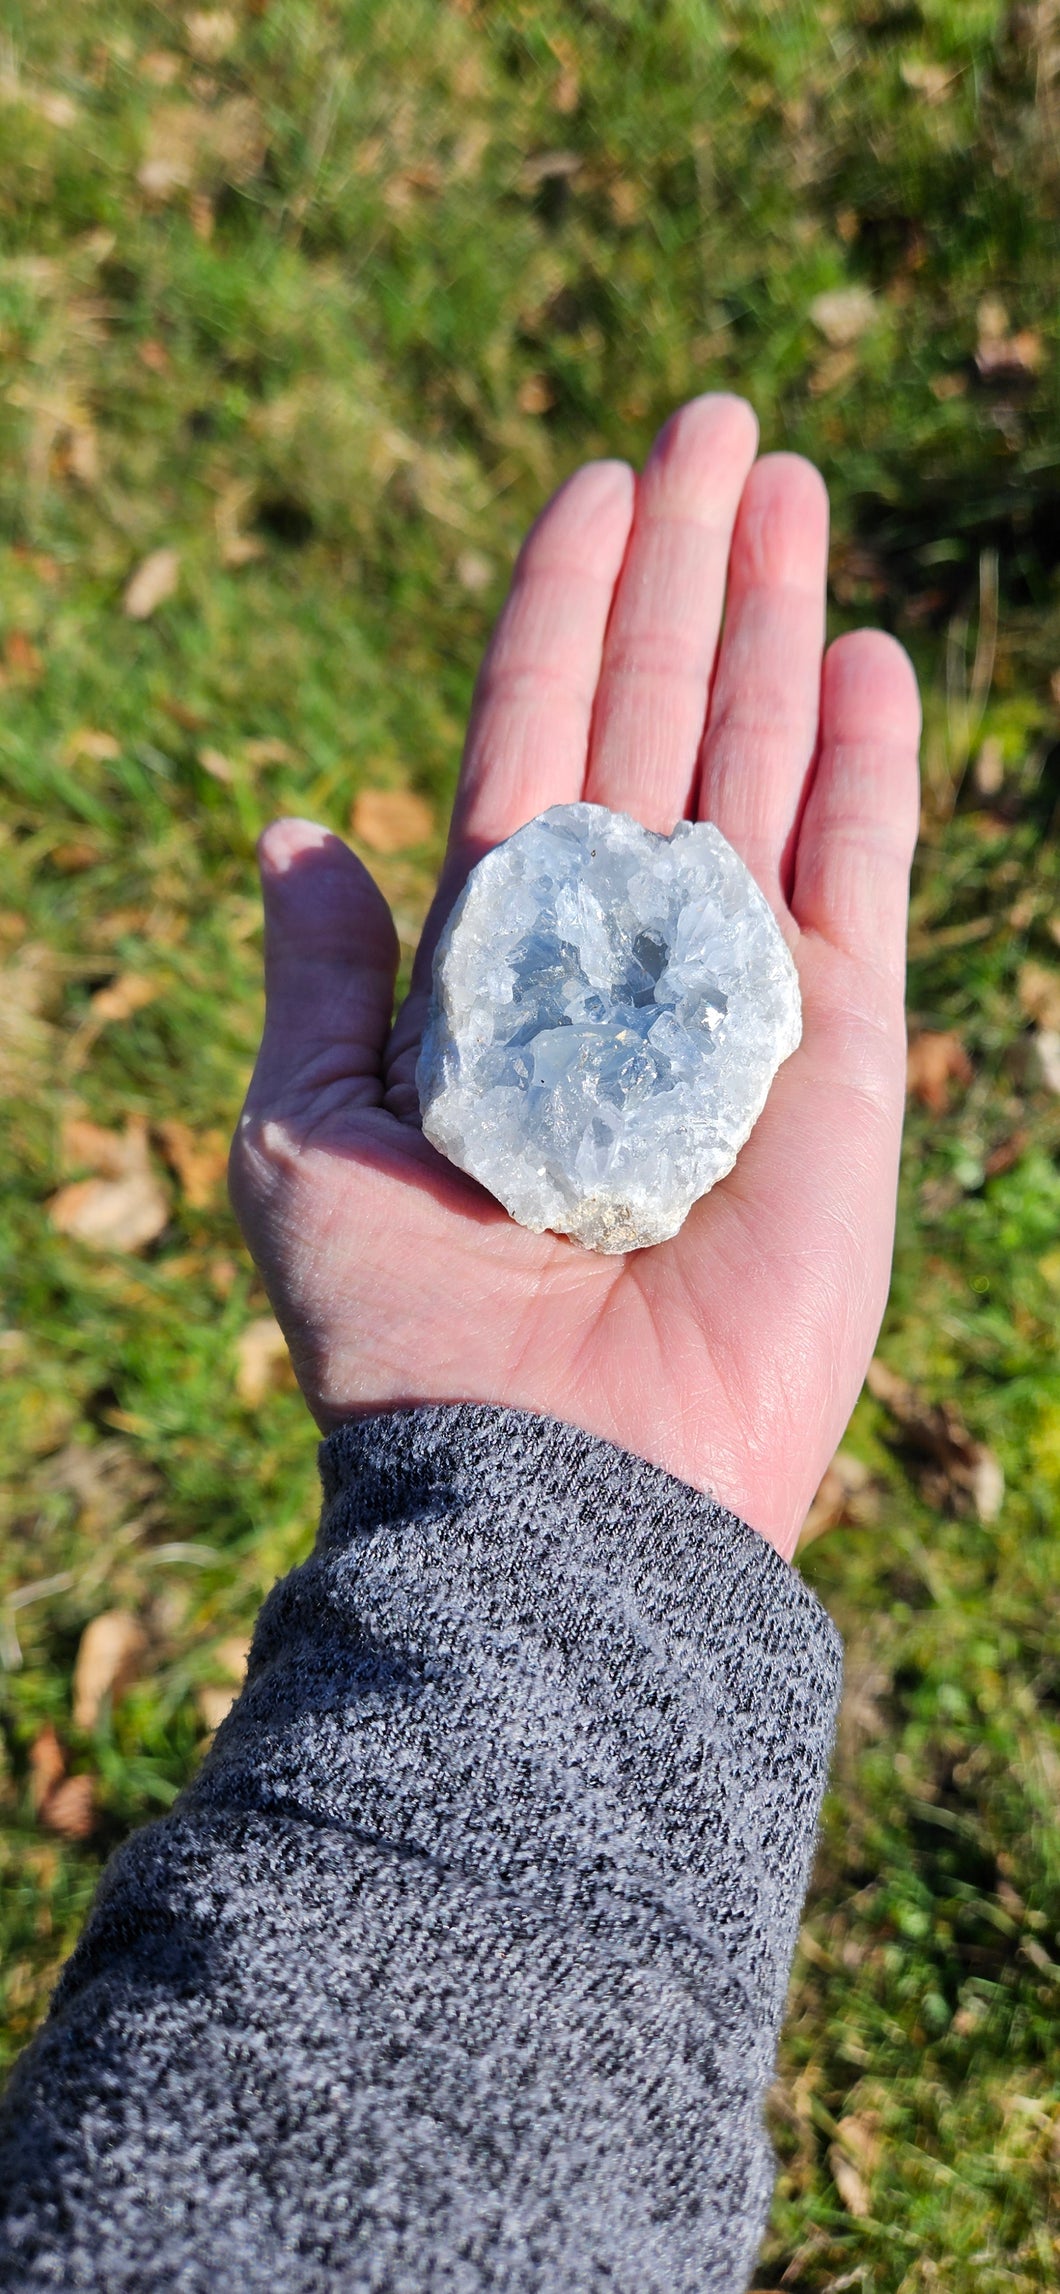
(609, 1010)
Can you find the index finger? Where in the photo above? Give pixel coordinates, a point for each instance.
(528, 737)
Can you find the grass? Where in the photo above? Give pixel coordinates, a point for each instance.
(325, 298)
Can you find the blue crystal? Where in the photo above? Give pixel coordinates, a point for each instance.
(608, 1011)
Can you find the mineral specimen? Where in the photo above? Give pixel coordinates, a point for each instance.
(609, 1010)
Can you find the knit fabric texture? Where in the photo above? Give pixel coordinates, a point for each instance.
(461, 1963)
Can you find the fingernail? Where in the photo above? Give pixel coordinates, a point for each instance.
(285, 841)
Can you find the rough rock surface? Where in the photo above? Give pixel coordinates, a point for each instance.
(609, 1010)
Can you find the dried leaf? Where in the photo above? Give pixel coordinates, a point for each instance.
(87, 742)
(566, 93)
(566, 90)
(1001, 356)
(236, 547)
(111, 1215)
(74, 855)
(242, 551)
(849, 2184)
(154, 581)
(1017, 360)
(992, 319)
(390, 820)
(28, 984)
(108, 1661)
(71, 1809)
(987, 1483)
(189, 720)
(219, 767)
(859, 2136)
(59, 110)
(122, 1212)
(22, 660)
(42, 273)
(160, 67)
(843, 315)
(211, 32)
(215, 1701)
(169, 162)
(626, 199)
(832, 371)
(47, 1766)
(1046, 1052)
(214, 1704)
(955, 1473)
(87, 1146)
(474, 572)
(848, 1494)
(989, 769)
(64, 1804)
(535, 395)
(935, 1062)
(932, 81)
(1009, 1151)
(197, 147)
(549, 167)
(82, 453)
(231, 1656)
(40, 562)
(198, 1159)
(1039, 995)
(268, 752)
(886, 1386)
(129, 993)
(235, 139)
(262, 1361)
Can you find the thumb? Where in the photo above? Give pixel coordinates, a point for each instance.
(331, 958)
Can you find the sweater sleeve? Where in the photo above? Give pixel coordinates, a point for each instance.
(460, 1965)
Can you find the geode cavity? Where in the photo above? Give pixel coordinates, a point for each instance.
(609, 1010)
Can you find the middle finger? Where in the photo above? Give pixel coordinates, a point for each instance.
(658, 657)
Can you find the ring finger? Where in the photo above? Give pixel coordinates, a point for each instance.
(659, 655)
(761, 736)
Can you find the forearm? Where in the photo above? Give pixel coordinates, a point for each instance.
(461, 1964)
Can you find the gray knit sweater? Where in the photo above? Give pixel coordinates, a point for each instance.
(461, 1963)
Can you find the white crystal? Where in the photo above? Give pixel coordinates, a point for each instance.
(609, 1010)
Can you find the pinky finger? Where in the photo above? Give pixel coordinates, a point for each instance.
(859, 827)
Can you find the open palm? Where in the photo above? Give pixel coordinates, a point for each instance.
(731, 1355)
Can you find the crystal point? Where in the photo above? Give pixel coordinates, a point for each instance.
(609, 1009)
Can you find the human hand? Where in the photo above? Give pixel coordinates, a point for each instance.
(731, 1355)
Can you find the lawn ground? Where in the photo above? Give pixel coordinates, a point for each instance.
(303, 310)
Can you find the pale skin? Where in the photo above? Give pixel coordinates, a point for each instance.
(732, 1355)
